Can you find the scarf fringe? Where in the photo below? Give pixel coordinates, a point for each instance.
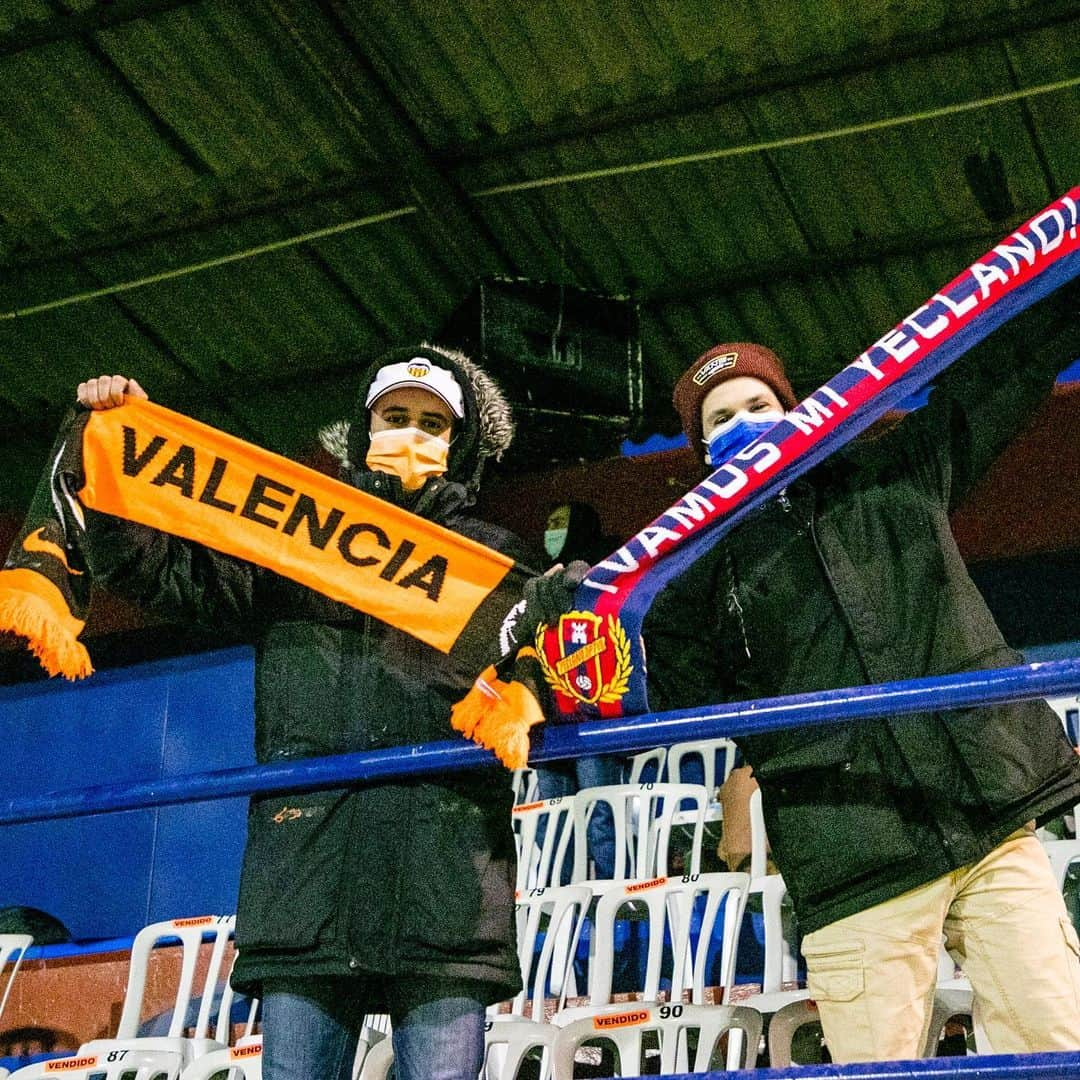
(498, 716)
(56, 648)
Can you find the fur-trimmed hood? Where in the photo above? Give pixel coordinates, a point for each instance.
(486, 430)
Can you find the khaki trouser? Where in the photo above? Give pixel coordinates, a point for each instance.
(873, 974)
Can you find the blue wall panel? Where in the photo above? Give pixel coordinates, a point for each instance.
(107, 875)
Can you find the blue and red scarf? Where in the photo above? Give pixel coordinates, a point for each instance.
(593, 657)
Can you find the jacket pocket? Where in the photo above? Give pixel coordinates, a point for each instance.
(833, 824)
(292, 863)
(462, 885)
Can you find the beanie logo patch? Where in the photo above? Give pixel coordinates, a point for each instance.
(713, 365)
(419, 368)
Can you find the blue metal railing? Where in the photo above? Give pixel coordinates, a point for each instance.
(631, 733)
(1061, 1066)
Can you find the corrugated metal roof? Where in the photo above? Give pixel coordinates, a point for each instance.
(850, 157)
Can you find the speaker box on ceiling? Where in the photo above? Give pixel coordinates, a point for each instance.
(569, 360)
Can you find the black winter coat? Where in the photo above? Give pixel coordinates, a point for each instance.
(409, 877)
(852, 577)
(413, 876)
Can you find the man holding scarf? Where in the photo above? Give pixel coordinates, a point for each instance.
(395, 896)
(893, 831)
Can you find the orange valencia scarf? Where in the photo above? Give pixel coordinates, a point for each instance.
(147, 464)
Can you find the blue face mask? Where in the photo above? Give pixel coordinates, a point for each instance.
(738, 432)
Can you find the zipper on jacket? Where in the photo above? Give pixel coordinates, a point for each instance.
(823, 562)
(734, 608)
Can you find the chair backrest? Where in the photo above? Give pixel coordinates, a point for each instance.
(374, 1029)
(121, 1064)
(624, 1026)
(643, 817)
(949, 1002)
(759, 842)
(559, 911)
(524, 783)
(1061, 854)
(378, 1061)
(542, 832)
(509, 1040)
(783, 1025)
(647, 766)
(717, 758)
(190, 933)
(780, 961)
(223, 1027)
(235, 1062)
(12, 950)
(682, 913)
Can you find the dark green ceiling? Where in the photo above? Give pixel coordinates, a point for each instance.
(233, 200)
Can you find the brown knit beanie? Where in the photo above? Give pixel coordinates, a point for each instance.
(720, 363)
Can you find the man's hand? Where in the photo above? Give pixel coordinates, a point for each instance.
(107, 391)
(545, 598)
(551, 595)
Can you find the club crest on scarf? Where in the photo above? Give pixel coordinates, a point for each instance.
(584, 660)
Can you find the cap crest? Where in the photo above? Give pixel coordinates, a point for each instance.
(711, 367)
(422, 373)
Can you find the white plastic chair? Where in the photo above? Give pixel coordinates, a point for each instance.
(624, 1026)
(669, 904)
(189, 932)
(640, 762)
(708, 751)
(507, 1042)
(782, 1027)
(1061, 854)
(524, 783)
(541, 851)
(780, 961)
(643, 817)
(377, 1061)
(949, 1001)
(243, 1062)
(12, 950)
(779, 965)
(123, 1062)
(376, 1028)
(562, 909)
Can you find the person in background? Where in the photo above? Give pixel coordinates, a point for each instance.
(574, 532)
(894, 831)
(394, 896)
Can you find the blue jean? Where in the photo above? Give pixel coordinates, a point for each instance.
(556, 779)
(311, 1027)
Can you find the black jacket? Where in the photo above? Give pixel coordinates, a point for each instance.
(853, 577)
(413, 876)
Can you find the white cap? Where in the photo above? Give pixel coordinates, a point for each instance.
(421, 372)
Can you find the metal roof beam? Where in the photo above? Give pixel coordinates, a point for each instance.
(331, 37)
(73, 25)
(837, 261)
(995, 29)
(202, 220)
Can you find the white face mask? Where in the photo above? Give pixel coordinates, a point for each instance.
(409, 453)
(554, 540)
